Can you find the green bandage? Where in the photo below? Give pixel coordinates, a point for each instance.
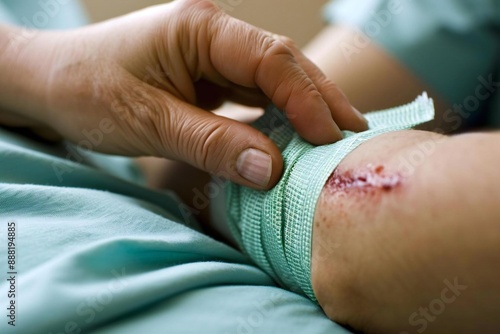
(275, 227)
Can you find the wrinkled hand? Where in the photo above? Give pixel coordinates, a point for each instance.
(142, 85)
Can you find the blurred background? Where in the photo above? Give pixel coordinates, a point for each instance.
(298, 19)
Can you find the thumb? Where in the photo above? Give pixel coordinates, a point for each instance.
(224, 147)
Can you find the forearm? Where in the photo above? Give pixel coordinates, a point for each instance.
(22, 70)
(426, 216)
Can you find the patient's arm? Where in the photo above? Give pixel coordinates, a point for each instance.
(404, 217)
(407, 235)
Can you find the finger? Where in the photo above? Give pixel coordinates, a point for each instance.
(272, 67)
(252, 58)
(345, 115)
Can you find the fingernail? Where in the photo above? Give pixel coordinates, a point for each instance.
(255, 166)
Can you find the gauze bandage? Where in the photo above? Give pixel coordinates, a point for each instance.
(275, 227)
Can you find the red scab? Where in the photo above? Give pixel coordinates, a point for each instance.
(379, 169)
(364, 180)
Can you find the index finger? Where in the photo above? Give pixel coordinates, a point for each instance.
(251, 57)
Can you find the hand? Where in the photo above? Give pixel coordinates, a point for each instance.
(142, 84)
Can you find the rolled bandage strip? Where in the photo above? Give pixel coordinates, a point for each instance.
(274, 227)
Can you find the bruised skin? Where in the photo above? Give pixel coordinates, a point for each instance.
(367, 184)
(366, 187)
(366, 181)
(391, 232)
(348, 195)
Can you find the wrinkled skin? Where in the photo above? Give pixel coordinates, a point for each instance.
(151, 76)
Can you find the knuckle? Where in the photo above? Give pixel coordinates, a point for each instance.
(334, 94)
(294, 83)
(329, 85)
(211, 148)
(272, 46)
(306, 85)
(331, 89)
(302, 85)
(290, 43)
